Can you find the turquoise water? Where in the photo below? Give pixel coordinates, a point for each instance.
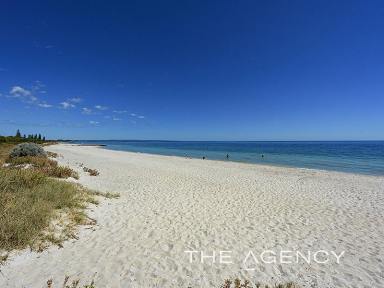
(365, 157)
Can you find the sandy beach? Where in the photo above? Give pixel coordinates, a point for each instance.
(170, 205)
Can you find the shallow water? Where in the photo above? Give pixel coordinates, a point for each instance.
(364, 157)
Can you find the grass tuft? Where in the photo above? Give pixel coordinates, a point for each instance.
(52, 154)
(237, 283)
(72, 284)
(3, 258)
(44, 165)
(91, 172)
(108, 195)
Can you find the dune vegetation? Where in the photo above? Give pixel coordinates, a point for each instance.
(36, 208)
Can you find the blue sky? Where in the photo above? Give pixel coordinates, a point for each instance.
(193, 70)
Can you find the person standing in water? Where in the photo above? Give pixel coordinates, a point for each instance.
(227, 156)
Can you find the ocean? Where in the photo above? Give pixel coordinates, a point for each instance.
(363, 157)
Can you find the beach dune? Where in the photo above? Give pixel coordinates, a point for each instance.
(170, 205)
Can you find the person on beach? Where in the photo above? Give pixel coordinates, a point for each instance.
(227, 156)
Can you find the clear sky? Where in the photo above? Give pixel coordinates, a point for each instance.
(193, 70)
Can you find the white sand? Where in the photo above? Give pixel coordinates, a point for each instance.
(171, 204)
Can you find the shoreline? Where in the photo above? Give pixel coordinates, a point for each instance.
(169, 205)
(236, 161)
(328, 160)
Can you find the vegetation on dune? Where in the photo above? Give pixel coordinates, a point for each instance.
(27, 149)
(29, 201)
(5, 149)
(43, 164)
(36, 209)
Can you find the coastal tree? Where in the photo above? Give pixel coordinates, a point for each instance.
(18, 134)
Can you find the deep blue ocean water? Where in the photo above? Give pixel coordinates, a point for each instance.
(364, 157)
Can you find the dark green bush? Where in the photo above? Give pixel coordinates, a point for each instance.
(27, 149)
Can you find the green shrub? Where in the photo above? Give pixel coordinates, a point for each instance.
(27, 149)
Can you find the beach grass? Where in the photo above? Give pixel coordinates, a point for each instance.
(52, 154)
(45, 165)
(29, 201)
(5, 148)
(37, 209)
(91, 172)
